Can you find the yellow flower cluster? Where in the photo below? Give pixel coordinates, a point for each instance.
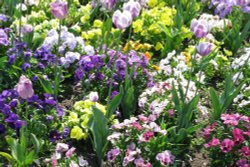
(147, 26)
(79, 118)
(85, 12)
(131, 45)
(148, 23)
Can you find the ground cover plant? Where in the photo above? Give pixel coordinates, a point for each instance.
(144, 83)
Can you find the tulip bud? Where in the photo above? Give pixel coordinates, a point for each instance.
(24, 88)
(108, 4)
(122, 20)
(59, 9)
(133, 7)
(27, 28)
(204, 48)
(200, 28)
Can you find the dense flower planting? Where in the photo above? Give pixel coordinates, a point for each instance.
(144, 83)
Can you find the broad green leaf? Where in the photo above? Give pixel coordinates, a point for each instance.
(215, 104)
(7, 156)
(98, 126)
(36, 143)
(114, 104)
(47, 86)
(230, 98)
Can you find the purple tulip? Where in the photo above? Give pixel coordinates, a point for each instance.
(59, 9)
(200, 28)
(122, 20)
(27, 28)
(24, 88)
(108, 4)
(204, 48)
(133, 7)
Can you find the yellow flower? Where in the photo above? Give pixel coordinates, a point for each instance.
(184, 29)
(77, 28)
(154, 28)
(76, 133)
(85, 119)
(84, 35)
(148, 56)
(158, 46)
(146, 46)
(97, 23)
(188, 57)
(73, 117)
(155, 67)
(102, 108)
(152, 3)
(137, 25)
(85, 19)
(127, 46)
(86, 110)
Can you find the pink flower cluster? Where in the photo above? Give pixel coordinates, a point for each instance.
(231, 136)
(64, 149)
(233, 119)
(135, 133)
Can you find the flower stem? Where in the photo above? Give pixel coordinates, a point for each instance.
(20, 21)
(56, 85)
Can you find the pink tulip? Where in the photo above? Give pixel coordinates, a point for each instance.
(24, 88)
(59, 9)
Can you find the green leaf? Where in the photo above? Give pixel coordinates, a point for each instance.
(36, 143)
(230, 98)
(7, 156)
(13, 144)
(215, 104)
(128, 103)
(194, 128)
(114, 104)
(182, 134)
(47, 86)
(176, 99)
(98, 126)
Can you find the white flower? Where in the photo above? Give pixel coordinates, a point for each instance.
(82, 162)
(31, 2)
(24, 7)
(93, 96)
(89, 50)
(62, 147)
